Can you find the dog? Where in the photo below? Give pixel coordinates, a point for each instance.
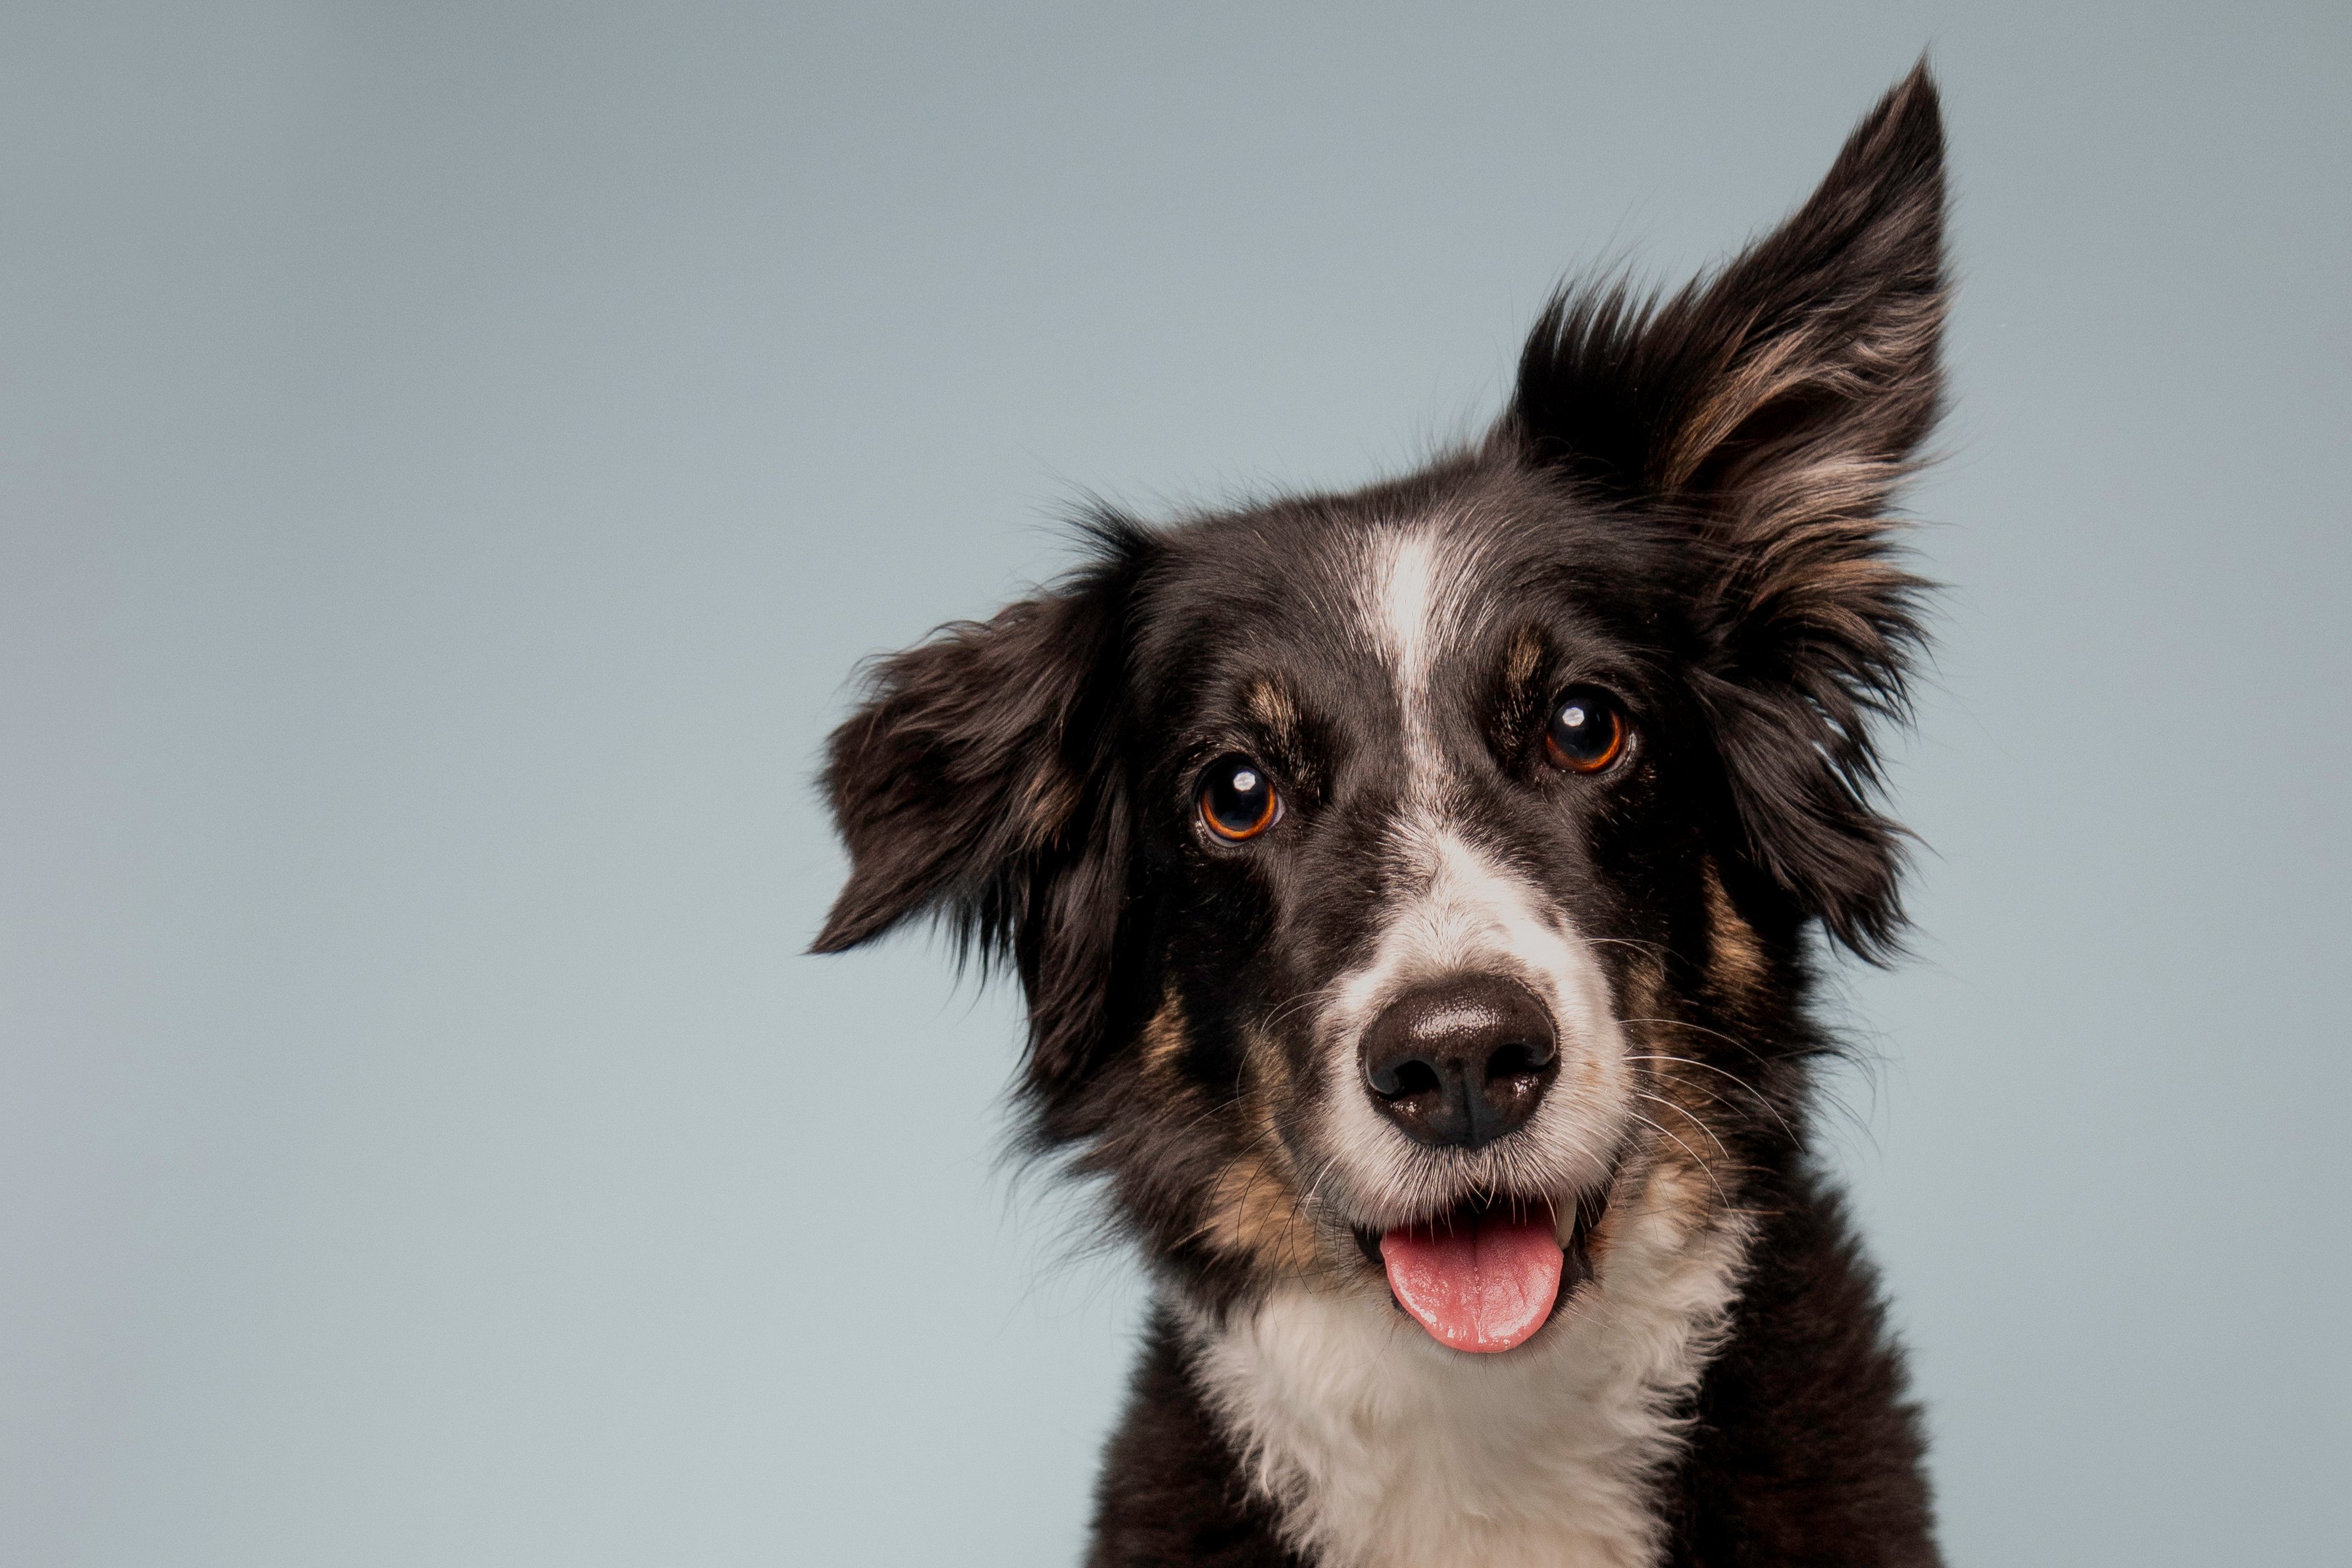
(1417, 893)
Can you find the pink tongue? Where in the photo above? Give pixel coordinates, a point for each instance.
(1483, 1283)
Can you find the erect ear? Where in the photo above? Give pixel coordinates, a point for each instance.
(1777, 406)
(977, 784)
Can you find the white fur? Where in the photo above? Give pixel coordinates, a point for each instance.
(1380, 1448)
(1407, 602)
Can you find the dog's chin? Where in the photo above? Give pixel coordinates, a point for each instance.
(1486, 1274)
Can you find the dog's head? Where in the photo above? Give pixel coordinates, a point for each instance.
(1395, 876)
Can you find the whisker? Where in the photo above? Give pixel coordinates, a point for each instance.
(1694, 1121)
(1696, 1158)
(1761, 1098)
(1639, 946)
(1733, 1106)
(1761, 1059)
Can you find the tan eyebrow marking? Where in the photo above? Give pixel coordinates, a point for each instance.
(1522, 702)
(1271, 706)
(1523, 660)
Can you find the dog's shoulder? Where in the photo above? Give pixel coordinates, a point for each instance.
(1805, 1445)
(1171, 1490)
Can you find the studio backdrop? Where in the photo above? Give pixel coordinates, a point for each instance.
(453, 458)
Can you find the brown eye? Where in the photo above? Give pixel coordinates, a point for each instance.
(1237, 800)
(1587, 731)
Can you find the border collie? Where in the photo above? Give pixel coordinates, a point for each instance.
(1417, 893)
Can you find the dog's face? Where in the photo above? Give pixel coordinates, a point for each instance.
(1419, 816)
(1401, 879)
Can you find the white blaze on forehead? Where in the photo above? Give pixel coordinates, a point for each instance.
(1404, 573)
(1410, 605)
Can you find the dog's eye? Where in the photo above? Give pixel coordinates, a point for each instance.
(1587, 731)
(1237, 800)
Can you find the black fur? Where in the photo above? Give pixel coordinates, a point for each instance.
(1685, 509)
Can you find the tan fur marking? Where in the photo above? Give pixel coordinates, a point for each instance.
(1777, 368)
(1686, 1171)
(1523, 660)
(1645, 986)
(1164, 1037)
(1736, 964)
(1252, 1211)
(1267, 703)
(1254, 1208)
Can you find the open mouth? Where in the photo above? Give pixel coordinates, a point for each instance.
(1484, 1275)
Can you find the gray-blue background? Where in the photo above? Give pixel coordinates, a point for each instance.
(451, 457)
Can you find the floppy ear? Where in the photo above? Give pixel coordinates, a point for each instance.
(977, 784)
(1778, 405)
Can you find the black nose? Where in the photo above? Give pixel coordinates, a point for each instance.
(1462, 1062)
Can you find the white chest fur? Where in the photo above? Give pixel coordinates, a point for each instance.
(1382, 1450)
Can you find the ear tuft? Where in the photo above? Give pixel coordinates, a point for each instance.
(1776, 409)
(1827, 328)
(977, 784)
(954, 771)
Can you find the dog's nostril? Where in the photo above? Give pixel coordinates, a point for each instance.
(1462, 1061)
(1520, 1059)
(1406, 1078)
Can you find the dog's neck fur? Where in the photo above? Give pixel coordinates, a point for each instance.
(1379, 1449)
